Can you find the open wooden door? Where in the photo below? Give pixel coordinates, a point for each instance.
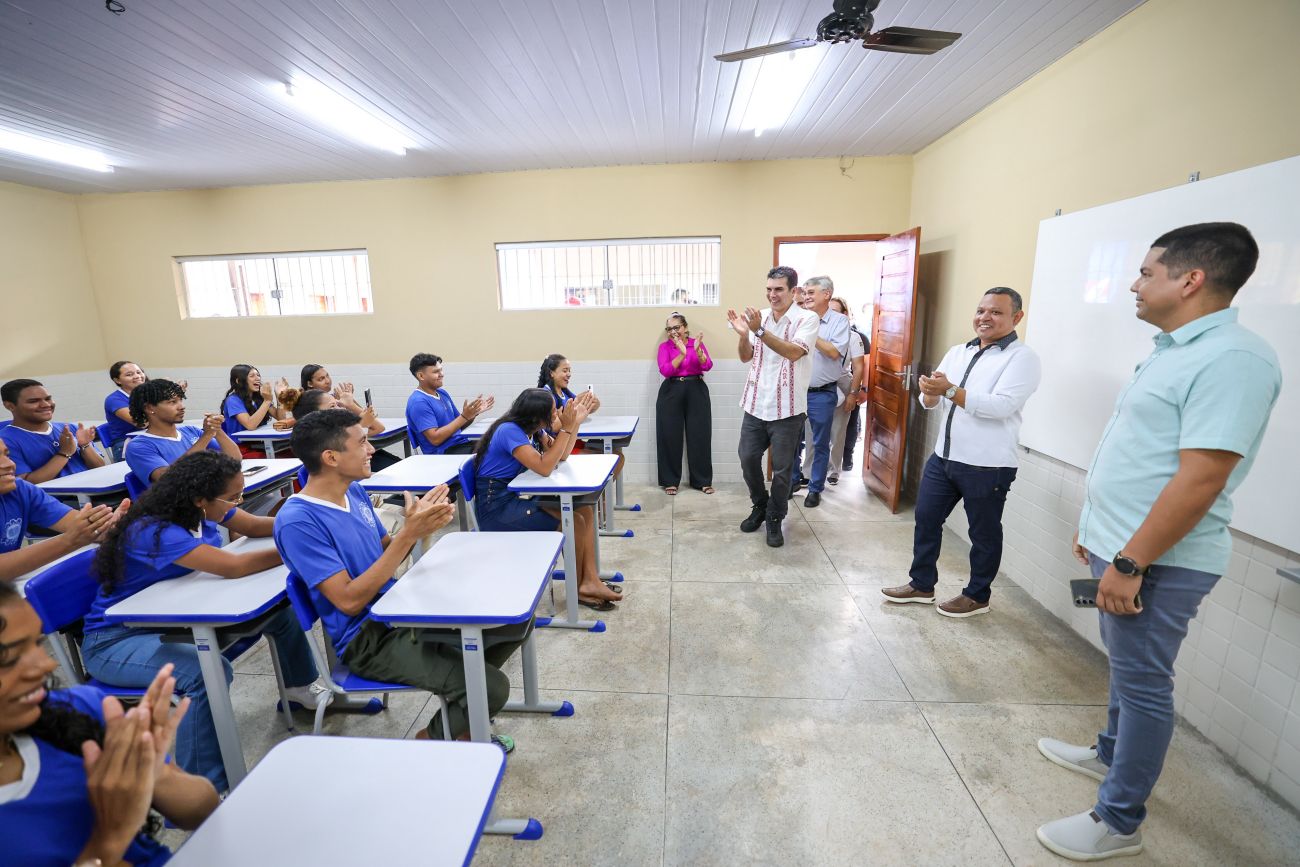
(891, 367)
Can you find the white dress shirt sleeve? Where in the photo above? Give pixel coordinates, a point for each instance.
(805, 335)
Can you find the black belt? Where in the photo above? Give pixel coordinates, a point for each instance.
(830, 386)
(686, 378)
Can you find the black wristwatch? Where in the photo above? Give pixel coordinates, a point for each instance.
(1127, 566)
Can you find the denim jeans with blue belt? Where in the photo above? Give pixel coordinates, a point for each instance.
(1140, 719)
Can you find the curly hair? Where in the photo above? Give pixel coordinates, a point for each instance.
(545, 377)
(151, 393)
(201, 476)
(531, 411)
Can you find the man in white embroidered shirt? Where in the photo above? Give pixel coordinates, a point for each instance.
(974, 460)
(775, 342)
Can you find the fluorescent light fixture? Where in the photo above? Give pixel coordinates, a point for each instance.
(53, 151)
(332, 110)
(781, 80)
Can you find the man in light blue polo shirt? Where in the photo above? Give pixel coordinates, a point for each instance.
(1154, 527)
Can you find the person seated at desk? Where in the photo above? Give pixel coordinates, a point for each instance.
(126, 375)
(248, 404)
(508, 449)
(331, 538)
(313, 399)
(554, 376)
(158, 406)
(169, 532)
(432, 422)
(42, 448)
(317, 377)
(78, 775)
(23, 505)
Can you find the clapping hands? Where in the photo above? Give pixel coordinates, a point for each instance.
(429, 513)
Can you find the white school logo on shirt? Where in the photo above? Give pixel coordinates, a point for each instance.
(13, 530)
(368, 515)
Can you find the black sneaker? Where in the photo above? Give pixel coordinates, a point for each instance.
(813, 500)
(755, 519)
(774, 537)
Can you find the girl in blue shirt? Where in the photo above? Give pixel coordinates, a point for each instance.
(170, 531)
(248, 404)
(518, 441)
(78, 775)
(126, 375)
(554, 376)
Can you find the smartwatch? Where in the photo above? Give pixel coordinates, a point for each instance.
(1127, 566)
(951, 392)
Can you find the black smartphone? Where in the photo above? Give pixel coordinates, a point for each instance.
(252, 471)
(369, 402)
(1084, 591)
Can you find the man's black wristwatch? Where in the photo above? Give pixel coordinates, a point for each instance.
(1127, 566)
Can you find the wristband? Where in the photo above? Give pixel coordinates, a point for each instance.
(65, 457)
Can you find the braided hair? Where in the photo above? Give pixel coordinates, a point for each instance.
(151, 393)
(200, 476)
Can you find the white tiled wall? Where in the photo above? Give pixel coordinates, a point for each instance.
(1237, 673)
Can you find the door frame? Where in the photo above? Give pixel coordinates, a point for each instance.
(815, 239)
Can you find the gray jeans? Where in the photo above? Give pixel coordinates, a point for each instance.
(782, 437)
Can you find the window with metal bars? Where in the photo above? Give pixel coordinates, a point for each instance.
(625, 272)
(275, 284)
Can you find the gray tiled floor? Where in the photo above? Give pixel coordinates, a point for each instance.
(751, 706)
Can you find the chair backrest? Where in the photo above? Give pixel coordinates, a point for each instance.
(300, 598)
(466, 476)
(63, 593)
(134, 486)
(104, 433)
(302, 477)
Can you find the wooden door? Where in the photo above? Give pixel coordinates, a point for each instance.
(891, 367)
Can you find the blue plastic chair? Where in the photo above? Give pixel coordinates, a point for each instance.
(134, 486)
(302, 477)
(337, 678)
(467, 481)
(102, 434)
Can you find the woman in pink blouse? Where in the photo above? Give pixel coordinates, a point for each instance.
(683, 404)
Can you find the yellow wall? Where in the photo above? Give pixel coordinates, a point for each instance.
(432, 262)
(1174, 87)
(50, 321)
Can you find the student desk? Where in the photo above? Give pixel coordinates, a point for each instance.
(202, 602)
(279, 472)
(399, 802)
(471, 582)
(104, 481)
(580, 474)
(269, 437)
(420, 474)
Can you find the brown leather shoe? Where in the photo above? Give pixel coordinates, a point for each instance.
(907, 593)
(962, 606)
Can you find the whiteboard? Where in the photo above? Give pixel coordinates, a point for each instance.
(1081, 320)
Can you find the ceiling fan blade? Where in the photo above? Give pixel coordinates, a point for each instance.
(774, 48)
(909, 40)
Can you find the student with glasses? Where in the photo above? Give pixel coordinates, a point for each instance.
(684, 405)
(169, 532)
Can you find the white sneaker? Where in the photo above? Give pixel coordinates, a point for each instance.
(1080, 759)
(1086, 837)
(309, 696)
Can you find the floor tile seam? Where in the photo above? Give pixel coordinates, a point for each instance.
(879, 643)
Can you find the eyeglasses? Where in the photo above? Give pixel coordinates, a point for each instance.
(673, 328)
(230, 502)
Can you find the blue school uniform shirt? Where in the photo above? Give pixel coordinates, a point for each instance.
(117, 429)
(424, 411)
(23, 507)
(150, 551)
(46, 817)
(499, 460)
(147, 452)
(232, 406)
(31, 451)
(562, 397)
(317, 540)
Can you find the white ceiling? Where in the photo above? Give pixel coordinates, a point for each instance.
(180, 93)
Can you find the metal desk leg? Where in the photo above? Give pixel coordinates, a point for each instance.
(462, 511)
(606, 508)
(223, 712)
(268, 446)
(570, 619)
(83, 499)
(618, 490)
(531, 703)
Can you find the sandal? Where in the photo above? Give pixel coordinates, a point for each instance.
(617, 588)
(597, 604)
(671, 490)
(707, 489)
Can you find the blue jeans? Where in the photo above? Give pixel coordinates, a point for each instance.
(124, 656)
(1140, 720)
(821, 415)
(983, 491)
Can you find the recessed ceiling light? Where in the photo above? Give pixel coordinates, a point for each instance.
(332, 110)
(53, 151)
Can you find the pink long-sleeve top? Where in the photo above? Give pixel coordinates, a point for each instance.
(690, 365)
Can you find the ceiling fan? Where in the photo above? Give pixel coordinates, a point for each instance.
(850, 22)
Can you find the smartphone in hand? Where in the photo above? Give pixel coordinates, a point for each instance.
(1084, 593)
(369, 402)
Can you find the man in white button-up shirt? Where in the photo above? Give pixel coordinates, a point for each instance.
(980, 388)
(776, 343)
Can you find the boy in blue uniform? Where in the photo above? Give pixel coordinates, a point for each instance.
(330, 537)
(42, 448)
(433, 423)
(24, 505)
(158, 406)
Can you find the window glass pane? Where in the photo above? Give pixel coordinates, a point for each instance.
(287, 284)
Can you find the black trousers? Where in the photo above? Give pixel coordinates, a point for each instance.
(782, 436)
(684, 405)
(851, 437)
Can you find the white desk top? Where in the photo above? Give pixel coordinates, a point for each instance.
(201, 597)
(417, 474)
(107, 479)
(616, 426)
(580, 474)
(277, 470)
(267, 432)
(333, 801)
(492, 578)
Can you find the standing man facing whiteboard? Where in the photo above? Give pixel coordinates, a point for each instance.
(1154, 526)
(974, 460)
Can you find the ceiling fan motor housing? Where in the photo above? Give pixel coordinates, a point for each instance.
(851, 20)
